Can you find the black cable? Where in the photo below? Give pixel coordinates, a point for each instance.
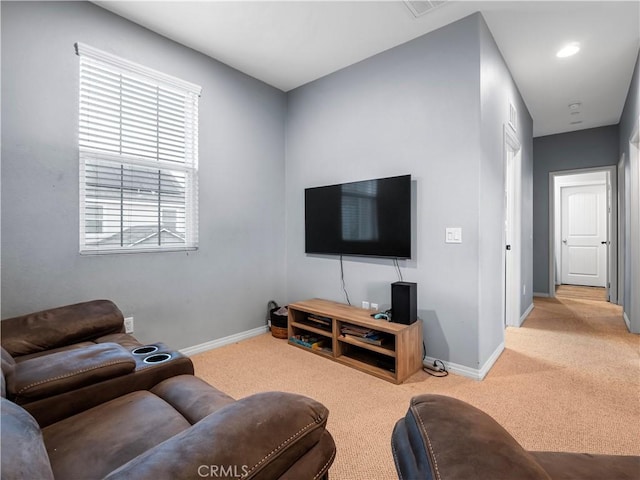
(442, 370)
(344, 287)
(395, 261)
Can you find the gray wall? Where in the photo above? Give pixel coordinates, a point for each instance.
(413, 109)
(628, 121)
(594, 147)
(434, 107)
(498, 90)
(183, 299)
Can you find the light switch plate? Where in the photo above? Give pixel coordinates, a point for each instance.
(453, 235)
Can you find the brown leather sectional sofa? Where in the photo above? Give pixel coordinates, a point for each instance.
(82, 400)
(67, 359)
(445, 438)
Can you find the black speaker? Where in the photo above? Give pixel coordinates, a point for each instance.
(404, 302)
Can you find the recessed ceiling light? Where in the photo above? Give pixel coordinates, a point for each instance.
(568, 50)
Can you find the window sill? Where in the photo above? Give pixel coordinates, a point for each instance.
(122, 251)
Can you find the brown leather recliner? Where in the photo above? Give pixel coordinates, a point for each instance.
(64, 360)
(181, 429)
(443, 437)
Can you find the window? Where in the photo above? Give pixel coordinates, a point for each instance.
(93, 218)
(138, 143)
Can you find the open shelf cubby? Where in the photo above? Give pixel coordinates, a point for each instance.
(349, 335)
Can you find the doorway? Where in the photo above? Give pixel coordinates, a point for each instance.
(583, 230)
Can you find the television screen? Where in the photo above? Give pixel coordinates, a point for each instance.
(372, 217)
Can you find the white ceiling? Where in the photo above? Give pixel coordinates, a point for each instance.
(287, 44)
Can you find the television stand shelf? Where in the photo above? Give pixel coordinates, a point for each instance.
(332, 330)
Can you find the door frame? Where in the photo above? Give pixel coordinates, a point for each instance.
(634, 228)
(612, 226)
(621, 229)
(511, 286)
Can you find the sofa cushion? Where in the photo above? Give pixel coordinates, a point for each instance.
(60, 326)
(73, 346)
(192, 397)
(257, 437)
(68, 370)
(99, 440)
(23, 452)
(584, 466)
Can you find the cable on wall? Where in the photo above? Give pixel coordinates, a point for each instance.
(395, 262)
(344, 287)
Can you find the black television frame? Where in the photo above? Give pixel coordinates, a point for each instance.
(324, 211)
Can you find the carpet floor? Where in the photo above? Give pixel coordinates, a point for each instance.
(568, 380)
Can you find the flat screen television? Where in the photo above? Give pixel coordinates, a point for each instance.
(371, 218)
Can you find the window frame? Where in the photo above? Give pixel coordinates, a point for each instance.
(93, 158)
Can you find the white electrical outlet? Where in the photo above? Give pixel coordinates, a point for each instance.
(374, 306)
(128, 325)
(453, 235)
(365, 304)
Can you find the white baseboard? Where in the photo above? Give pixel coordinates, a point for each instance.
(626, 320)
(540, 294)
(221, 342)
(475, 374)
(525, 314)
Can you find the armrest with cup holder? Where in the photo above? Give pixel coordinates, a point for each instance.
(61, 372)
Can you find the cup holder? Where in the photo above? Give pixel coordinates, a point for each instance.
(157, 358)
(144, 350)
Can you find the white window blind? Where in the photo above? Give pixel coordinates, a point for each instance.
(138, 143)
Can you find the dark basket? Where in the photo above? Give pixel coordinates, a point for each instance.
(279, 324)
(278, 332)
(278, 320)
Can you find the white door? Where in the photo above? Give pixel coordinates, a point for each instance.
(512, 227)
(511, 290)
(584, 235)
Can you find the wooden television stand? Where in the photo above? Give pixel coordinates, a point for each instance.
(319, 326)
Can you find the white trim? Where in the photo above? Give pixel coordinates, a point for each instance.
(634, 229)
(473, 373)
(119, 138)
(524, 316)
(621, 228)
(626, 320)
(82, 49)
(221, 342)
(87, 251)
(490, 361)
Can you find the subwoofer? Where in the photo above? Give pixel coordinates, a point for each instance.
(404, 302)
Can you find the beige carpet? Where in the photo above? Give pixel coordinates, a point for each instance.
(569, 379)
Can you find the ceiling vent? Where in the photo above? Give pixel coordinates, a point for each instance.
(421, 7)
